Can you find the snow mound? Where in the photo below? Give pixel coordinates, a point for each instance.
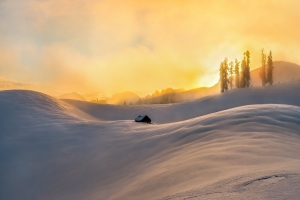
(248, 152)
(20, 103)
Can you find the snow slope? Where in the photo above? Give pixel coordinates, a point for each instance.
(48, 151)
(166, 113)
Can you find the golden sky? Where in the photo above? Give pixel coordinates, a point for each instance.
(111, 46)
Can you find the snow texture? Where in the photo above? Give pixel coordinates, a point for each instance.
(243, 144)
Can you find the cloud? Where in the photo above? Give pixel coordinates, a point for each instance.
(8, 84)
(114, 46)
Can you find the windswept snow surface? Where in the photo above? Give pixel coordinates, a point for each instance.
(48, 151)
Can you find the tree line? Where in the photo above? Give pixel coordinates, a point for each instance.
(242, 72)
(266, 75)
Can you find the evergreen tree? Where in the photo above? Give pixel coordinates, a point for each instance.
(225, 74)
(237, 73)
(221, 77)
(243, 69)
(270, 69)
(263, 68)
(247, 69)
(230, 74)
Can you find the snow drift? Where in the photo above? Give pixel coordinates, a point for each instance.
(51, 150)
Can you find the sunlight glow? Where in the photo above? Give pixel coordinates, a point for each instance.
(112, 46)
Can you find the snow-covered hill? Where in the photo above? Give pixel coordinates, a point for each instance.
(283, 72)
(277, 94)
(243, 144)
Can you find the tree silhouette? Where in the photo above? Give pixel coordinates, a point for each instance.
(247, 69)
(243, 70)
(230, 74)
(221, 77)
(225, 74)
(242, 79)
(237, 73)
(270, 69)
(263, 68)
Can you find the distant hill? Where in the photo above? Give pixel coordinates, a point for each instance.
(198, 93)
(167, 95)
(73, 95)
(283, 72)
(120, 98)
(90, 96)
(94, 96)
(276, 94)
(170, 95)
(180, 96)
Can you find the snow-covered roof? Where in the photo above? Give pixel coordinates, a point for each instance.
(141, 117)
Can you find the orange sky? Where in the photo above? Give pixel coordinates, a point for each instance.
(111, 46)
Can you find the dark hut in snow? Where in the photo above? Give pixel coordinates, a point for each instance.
(143, 118)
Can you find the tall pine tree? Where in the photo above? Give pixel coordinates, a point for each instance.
(230, 74)
(247, 69)
(221, 77)
(263, 68)
(270, 69)
(237, 73)
(225, 74)
(243, 70)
